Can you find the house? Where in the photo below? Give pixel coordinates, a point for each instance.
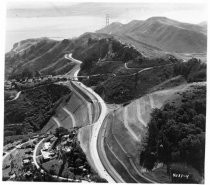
(12, 176)
(67, 148)
(47, 155)
(19, 147)
(36, 136)
(28, 174)
(26, 161)
(46, 146)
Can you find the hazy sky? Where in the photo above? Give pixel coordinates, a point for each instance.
(123, 12)
(64, 19)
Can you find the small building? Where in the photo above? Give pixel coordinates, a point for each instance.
(67, 148)
(46, 146)
(12, 176)
(28, 174)
(19, 147)
(26, 161)
(47, 155)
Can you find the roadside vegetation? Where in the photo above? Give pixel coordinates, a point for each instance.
(32, 110)
(19, 166)
(125, 88)
(176, 136)
(106, 59)
(66, 157)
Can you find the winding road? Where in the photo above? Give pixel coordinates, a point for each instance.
(98, 155)
(16, 97)
(97, 125)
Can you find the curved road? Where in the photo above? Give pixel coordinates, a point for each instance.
(16, 97)
(97, 125)
(98, 155)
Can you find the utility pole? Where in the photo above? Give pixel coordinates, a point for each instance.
(107, 19)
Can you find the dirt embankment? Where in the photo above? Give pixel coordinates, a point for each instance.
(128, 125)
(75, 112)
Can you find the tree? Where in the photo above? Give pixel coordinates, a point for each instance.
(27, 73)
(37, 74)
(60, 131)
(176, 133)
(200, 121)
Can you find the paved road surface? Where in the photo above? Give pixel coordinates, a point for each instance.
(95, 131)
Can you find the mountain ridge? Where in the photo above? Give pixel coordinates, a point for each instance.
(167, 34)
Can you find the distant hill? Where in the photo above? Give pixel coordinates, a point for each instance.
(161, 33)
(105, 55)
(46, 56)
(43, 55)
(203, 25)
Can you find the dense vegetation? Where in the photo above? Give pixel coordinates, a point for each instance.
(104, 55)
(176, 133)
(193, 70)
(74, 163)
(22, 175)
(103, 50)
(127, 84)
(31, 111)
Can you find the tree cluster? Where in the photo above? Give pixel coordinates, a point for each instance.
(193, 70)
(176, 133)
(33, 109)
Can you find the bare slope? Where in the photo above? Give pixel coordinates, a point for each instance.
(126, 129)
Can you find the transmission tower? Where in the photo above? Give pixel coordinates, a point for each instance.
(107, 19)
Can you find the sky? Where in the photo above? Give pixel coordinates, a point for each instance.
(67, 19)
(122, 12)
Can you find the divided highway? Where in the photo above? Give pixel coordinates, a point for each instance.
(101, 110)
(96, 145)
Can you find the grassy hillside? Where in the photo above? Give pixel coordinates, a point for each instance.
(163, 33)
(43, 55)
(32, 110)
(114, 64)
(46, 56)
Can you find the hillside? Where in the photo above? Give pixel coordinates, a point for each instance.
(148, 74)
(43, 55)
(163, 33)
(132, 130)
(46, 56)
(33, 109)
(113, 67)
(176, 135)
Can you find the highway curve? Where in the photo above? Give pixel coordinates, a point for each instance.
(101, 110)
(98, 155)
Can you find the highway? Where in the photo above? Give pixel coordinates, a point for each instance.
(98, 155)
(97, 101)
